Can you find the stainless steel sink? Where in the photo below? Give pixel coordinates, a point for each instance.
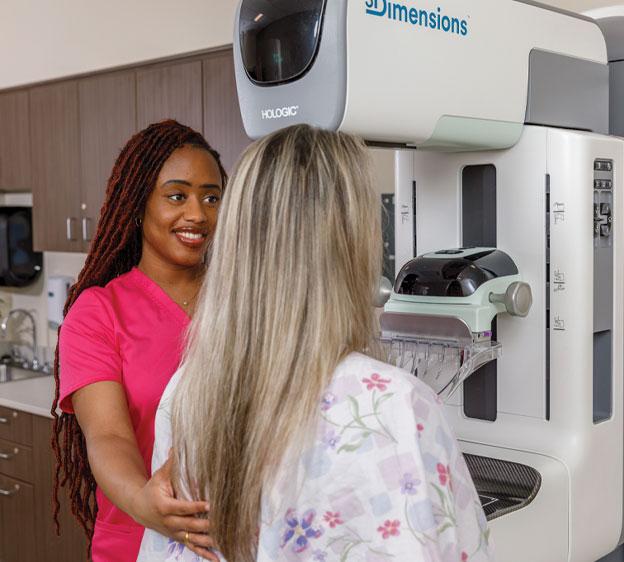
(9, 372)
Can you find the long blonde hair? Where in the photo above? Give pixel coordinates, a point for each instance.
(295, 260)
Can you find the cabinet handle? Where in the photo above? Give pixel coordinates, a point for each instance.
(85, 229)
(9, 492)
(9, 455)
(70, 236)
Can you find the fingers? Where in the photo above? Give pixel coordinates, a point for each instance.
(183, 507)
(190, 524)
(200, 544)
(200, 540)
(203, 552)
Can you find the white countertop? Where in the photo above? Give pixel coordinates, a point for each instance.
(32, 395)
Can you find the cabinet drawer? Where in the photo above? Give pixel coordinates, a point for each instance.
(16, 460)
(18, 538)
(15, 426)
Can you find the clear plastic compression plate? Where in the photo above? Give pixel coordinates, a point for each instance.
(442, 365)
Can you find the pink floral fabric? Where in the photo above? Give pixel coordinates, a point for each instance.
(381, 478)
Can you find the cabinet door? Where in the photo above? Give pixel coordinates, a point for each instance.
(55, 152)
(14, 142)
(172, 91)
(223, 125)
(17, 521)
(71, 545)
(107, 121)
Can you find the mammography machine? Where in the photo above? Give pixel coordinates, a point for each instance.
(508, 232)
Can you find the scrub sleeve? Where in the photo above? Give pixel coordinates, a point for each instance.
(130, 332)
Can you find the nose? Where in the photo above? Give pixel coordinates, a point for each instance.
(194, 211)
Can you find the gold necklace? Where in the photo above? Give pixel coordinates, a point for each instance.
(186, 303)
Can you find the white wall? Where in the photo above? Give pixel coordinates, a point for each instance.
(43, 39)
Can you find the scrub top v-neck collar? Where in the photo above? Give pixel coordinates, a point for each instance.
(159, 296)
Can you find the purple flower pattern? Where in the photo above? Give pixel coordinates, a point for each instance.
(328, 401)
(331, 439)
(300, 530)
(409, 484)
(175, 549)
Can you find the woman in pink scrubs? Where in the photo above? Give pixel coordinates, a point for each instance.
(122, 339)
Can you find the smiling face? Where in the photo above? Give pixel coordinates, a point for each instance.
(181, 212)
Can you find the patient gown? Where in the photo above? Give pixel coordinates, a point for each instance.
(381, 478)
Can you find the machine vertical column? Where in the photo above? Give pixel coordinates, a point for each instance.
(404, 215)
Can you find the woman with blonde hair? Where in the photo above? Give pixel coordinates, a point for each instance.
(308, 447)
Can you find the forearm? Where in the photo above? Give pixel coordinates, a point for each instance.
(118, 468)
(119, 471)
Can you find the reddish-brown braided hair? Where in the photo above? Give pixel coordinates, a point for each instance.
(115, 249)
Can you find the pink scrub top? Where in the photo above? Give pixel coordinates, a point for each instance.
(131, 332)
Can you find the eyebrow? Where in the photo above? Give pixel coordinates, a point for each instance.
(184, 182)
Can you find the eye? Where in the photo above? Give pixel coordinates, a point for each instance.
(176, 197)
(212, 199)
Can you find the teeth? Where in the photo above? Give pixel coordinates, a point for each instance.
(189, 235)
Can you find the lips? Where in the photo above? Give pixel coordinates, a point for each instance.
(190, 237)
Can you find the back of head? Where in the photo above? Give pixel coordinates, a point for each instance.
(296, 257)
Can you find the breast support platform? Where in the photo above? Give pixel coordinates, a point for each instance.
(508, 290)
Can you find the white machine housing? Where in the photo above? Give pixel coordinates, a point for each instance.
(546, 377)
(381, 70)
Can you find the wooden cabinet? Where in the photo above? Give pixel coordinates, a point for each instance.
(77, 128)
(27, 531)
(71, 546)
(17, 520)
(200, 94)
(223, 125)
(107, 121)
(17, 506)
(55, 151)
(77, 131)
(14, 142)
(172, 91)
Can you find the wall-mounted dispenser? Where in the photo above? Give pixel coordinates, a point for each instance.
(58, 289)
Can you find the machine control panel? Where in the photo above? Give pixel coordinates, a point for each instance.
(603, 202)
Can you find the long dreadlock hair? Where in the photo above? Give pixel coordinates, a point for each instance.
(116, 249)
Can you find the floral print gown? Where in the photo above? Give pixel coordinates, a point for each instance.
(383, 479)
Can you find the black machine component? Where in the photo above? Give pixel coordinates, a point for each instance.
(502, 486)
(453, 276)
(279, 40)
(19, 264)
(479, 229)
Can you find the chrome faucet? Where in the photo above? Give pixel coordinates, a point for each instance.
(3, 330)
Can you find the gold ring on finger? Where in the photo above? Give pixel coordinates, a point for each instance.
(186, 538)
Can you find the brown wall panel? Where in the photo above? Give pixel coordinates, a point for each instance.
(223, 125)
(172, 91)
